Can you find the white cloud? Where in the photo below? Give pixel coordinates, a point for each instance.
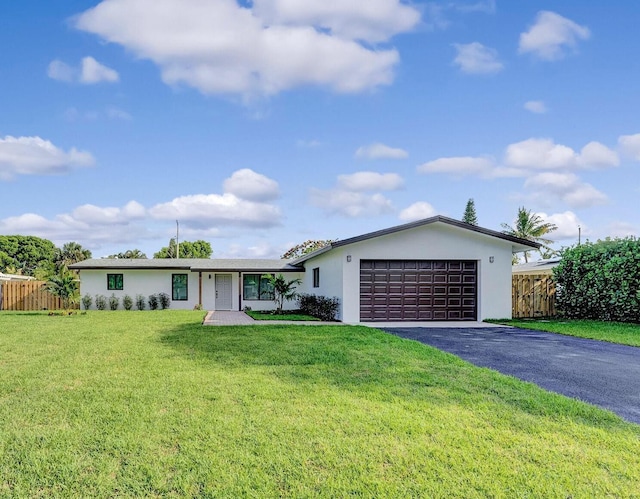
(566, 187)
(89, 72)
(96, 215)
(36, 156)
(249, 185)
(597, 155)
(351, 204)
(630, 145)
(94, 72)
(622, 229)
(371, 21)
(544, 154)
(370, 181)
(261, 249)
(60, 71)
(475, 58)
(463, 165)
(567, 223)
(551, 36)
(380, 151)
(536, 106)
(417, 211)
(220, 47)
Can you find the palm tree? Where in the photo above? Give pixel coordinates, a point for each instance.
(282, 289)
(532, 227)
(71, 253)
(64, 284)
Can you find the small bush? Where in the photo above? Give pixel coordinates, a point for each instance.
(197, 306)
(164, 300)
(140, 302)
(113, 302)
(127, 302)
(87, 301)
(153, 302)
(101, 302)
(325, 309)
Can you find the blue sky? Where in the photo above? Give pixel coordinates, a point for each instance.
(261, 124)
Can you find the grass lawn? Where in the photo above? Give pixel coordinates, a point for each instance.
(613, 332)
(153, 404)
(270, 316)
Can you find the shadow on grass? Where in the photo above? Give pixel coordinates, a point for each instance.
(376, 365)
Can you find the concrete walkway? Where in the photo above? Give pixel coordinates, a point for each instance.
(232, 318)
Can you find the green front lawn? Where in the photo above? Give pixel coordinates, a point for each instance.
(613, 332)
(154, 404)
(286, 316)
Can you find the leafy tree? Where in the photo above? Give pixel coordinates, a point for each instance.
(130, 254)
(470, 216)
(282, 289)
(532, 227)
(70, 253)
(306, 247)
(195, 249)
(64, 284)
(24, 254)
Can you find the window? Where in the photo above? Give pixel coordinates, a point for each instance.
(115, 282)
(256, 287)
(179, 287)
(316, 277)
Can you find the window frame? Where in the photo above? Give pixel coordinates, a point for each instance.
(174, 288)
(262, 294)
(117, 284)
(316, 277)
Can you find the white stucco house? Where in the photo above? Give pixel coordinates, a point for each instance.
(436, 269)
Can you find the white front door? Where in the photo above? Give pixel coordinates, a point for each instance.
(223, 292)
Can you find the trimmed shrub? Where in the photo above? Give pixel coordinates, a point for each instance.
(163, 300)
(325, 309)
(87, 300)
(127, 302)
(101, 302)
(113, 302)
(153, 302)
(140, 302)
(600, 281)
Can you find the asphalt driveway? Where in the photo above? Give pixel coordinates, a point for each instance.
(604, 374)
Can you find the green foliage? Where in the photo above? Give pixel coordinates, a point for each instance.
(70, 253)
(600, 281)
(325, 309)
(283, 290)
(113, 302)
(140, 302)
(87, 300)
(127, 302)
(195, 249)
(271, 315)
(101, 302)
(531, 227)
(130, 254)
(306, 247)
(470, 216)
(164, 300)
(24, 254)
(153, 302)
(64, 285)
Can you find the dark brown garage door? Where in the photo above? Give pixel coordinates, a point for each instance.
(418, 290)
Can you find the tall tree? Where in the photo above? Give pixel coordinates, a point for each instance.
(532, 227)
(306, 247)
(130, 254)
(188, 249)
(25, 253)
(71, 253)
(470, 216)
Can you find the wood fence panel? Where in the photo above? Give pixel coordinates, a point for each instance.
(533, 296)
(27, 296)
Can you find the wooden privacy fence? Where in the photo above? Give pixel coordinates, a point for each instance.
(27, 295)
(533, 296)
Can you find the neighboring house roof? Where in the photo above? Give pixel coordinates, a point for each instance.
(538, 267)
(15, 277)
(192, 264)
(518, 244)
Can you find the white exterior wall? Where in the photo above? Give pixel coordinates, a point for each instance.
(430, 242)
(331, 278)
(269, 304)
(143, 282)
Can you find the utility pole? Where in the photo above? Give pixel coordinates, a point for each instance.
(177, 239)
(579, 234)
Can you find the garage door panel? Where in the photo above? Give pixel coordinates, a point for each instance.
(419, 290)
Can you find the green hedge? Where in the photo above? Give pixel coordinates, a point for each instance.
(600, 281)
